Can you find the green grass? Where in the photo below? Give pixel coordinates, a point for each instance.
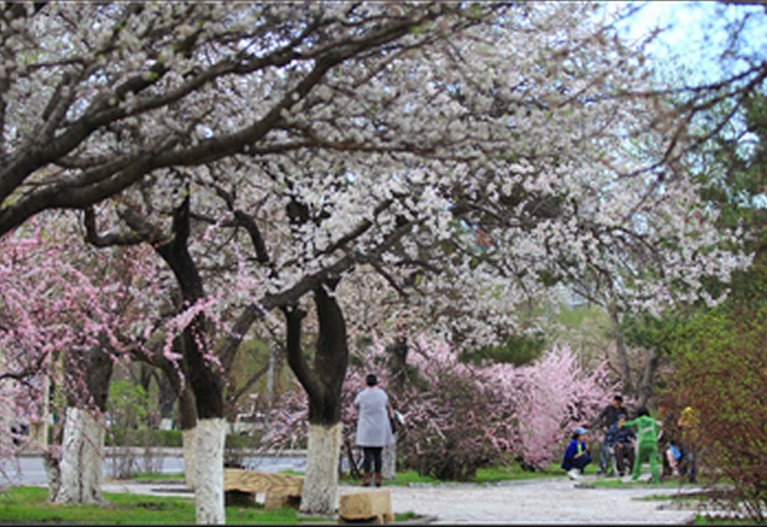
(492, 474)
(28, 505)
(642, 482)
(154, 476)
(707, 520)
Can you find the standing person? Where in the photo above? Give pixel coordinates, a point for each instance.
(607, 418)
(373, 428)
(577, 454)
(689, 423)
(647, 443)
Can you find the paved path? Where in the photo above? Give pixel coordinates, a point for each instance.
(548, 501)
(554, 501)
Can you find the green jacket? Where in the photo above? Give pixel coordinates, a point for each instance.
(647, 429)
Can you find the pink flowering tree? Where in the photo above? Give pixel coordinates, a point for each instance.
(460, 416)
(550, 398)
(61, 328)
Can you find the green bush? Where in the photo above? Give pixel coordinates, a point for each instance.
(145, 437)
(721, 374)
(172, 438)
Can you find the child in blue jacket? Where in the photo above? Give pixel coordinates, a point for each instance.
(577, 455)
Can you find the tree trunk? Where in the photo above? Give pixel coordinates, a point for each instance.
(190, 462)
(51, 462)
(209, 471)
(389, 459)
(323, 385)
(204, 379)
(644, 389)
(187, 417)
(82, 452)
(81, 458)
(395, 387)
(320, 493)
(620, 348)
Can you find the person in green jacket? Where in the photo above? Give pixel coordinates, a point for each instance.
(647, 443)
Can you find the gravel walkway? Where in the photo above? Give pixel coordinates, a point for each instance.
(550, 501)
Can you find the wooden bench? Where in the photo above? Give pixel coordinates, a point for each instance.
(281, 490)
(370, 506)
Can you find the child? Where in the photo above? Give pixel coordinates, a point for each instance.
(674, 454)
(577, 455)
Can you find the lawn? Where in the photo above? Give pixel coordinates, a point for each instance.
(28, 505)
(492, 474)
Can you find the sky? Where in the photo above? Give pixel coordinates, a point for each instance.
(696, 31)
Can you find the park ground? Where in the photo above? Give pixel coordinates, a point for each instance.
(540, 501)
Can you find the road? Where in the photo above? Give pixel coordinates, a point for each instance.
(30, 470)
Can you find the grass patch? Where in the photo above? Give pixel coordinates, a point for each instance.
(29, 505)
(616, 482)
(154, 476)
(721, 520)
(491, 474)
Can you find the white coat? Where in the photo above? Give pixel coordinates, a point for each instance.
(373, 428)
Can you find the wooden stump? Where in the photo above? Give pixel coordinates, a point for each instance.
(365, 506)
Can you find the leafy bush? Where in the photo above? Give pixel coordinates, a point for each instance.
(721, 372)
(467, 416)
(146, 437)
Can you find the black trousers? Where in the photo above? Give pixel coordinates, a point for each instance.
(371, 458)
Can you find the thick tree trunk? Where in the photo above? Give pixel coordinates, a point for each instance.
(187, 416)
(620, 348)
(82, 451)
(323, 384)
(203, 376)
(81, 458)
(190, 462)
(644, 390)
(320, 493)
(389, 459)
(51, 463)
(209, 471)
(395, 387)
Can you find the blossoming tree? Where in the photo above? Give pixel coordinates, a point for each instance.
(312, 139)
(68, 316)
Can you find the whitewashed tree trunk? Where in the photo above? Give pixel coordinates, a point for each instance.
(187, 441)
(52, 472)
(320, 493)
(81, 458)
(209, 471)
(389, 460)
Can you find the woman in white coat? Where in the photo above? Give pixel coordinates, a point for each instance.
(373, 427)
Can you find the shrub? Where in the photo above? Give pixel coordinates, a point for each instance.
(460, 416)
(721, 372)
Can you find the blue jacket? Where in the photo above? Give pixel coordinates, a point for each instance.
(572, 449)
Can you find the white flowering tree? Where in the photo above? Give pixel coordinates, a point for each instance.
(283, 146)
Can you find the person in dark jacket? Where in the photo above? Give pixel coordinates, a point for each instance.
(625, 446)
(607, 418)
